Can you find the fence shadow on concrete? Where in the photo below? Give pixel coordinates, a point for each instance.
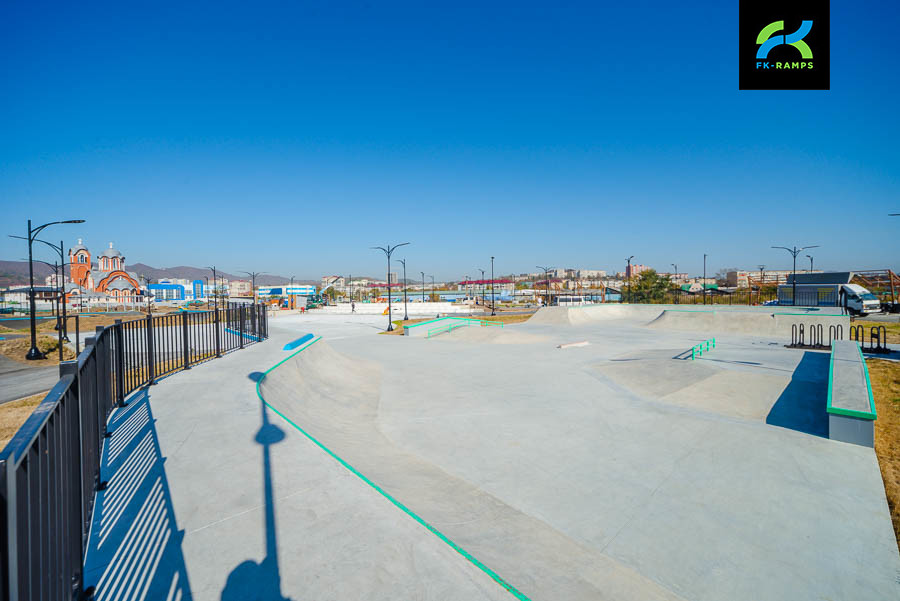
(134, 551)
(801, 406)
(251, 579)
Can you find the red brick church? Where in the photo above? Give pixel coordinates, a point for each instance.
(109, 278)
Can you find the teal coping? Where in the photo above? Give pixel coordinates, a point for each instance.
(471, 558)
(872, 415)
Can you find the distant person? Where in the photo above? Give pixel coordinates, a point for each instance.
(352, 307)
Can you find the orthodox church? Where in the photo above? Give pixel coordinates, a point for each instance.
(105, 278)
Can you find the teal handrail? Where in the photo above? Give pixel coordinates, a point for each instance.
(697, 349)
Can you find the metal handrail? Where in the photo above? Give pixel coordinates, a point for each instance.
(697, 349)
(50, 470)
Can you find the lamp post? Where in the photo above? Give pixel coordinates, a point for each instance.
(405, 313)
(546, 281)
(704, 278)
(482, 289)
(147, 281)
(388, 250)
(253, 275)
(759, 288)
(33, 352)
(672, 279)
(60, 250)
(493, 312)
(59, 327)
(794, 252)
(423, 285)
(215, 288)
(628, 275)
(810, 262)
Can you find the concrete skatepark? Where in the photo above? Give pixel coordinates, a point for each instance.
(619, 469)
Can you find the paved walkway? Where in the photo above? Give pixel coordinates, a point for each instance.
(19, 380)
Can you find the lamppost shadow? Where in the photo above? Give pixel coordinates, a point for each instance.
(252, 580)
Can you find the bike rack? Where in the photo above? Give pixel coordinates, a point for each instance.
(835, 333)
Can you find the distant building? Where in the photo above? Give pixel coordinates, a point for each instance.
(591, 273)
(109, 279)
(240, 288)
(635, 269)
(741, 278)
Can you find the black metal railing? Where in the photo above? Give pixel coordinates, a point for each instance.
(50, 470)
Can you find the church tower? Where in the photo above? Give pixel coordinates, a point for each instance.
(80, 263)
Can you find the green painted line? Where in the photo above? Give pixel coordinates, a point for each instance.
(471, 558)
(871, 414)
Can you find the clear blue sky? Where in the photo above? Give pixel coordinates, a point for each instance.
(291, 137)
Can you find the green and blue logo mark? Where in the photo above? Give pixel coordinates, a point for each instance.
(777, 42)
(767, 40)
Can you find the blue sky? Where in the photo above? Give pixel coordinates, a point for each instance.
(291, 137)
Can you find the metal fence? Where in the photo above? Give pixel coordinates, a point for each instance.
(50, 470)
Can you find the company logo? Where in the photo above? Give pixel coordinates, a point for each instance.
(767, 40)
(778, 54)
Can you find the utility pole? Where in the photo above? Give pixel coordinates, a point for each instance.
(482, 289)
(493, 303)
(423, 285)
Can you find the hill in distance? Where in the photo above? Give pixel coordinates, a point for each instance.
(15, 273)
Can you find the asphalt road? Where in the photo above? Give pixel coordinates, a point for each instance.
(18, 380)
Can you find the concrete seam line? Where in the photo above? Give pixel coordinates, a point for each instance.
(471, 558)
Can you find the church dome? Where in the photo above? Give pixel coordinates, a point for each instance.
(77, 247)
(111, 252)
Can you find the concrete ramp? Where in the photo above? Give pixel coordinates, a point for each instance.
(334, 399)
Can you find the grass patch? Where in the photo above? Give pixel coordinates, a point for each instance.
(17, 348)
(14, 413)
(885, 378)
(892, 328)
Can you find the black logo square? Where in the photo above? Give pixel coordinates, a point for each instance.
(784, 45)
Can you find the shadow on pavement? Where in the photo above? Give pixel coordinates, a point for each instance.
(252, 581)
(134, 551)
(801, 406)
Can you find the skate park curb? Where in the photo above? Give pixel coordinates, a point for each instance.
(468, 556)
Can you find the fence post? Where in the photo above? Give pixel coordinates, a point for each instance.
(216, 325)
(185, 340)
(253, 321)
(151, 352)
(77, 351)
(8, 490)
(120, 363)
(241, 326)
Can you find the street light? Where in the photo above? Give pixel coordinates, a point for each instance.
(387, 253)
(291, 293)
(62, 262)
(432, 286)
(423, 285)
(492, 287)
(482, 289)
(794, 252)
(405, 313)
(253, 275)
(147, 281)
(215, 288)
(546, 281)
(628, 275)
(704, 278)
(33, 352)
(810, 262)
